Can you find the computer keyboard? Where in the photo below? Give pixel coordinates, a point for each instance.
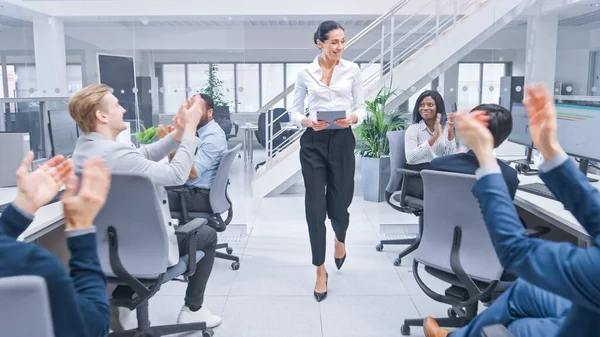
(538, 189)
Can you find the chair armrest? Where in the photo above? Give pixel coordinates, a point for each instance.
(495, 331)
(190, 230)
(408, 173)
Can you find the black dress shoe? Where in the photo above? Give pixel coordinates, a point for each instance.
(321, 296)
(340, 262)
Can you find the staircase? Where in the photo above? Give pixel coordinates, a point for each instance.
(410, 53)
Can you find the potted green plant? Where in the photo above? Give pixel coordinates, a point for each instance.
(146, 136)
(214, 89)
(373, 145)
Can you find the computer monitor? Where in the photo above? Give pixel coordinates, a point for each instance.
(577, 131)
(62, 131)
(520, 130)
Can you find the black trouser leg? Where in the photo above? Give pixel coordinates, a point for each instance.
(340, 180)
(415, 184)
(314, 171)
(206, 242)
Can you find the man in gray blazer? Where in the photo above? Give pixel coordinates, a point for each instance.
(100, 116)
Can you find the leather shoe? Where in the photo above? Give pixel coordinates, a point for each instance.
(432, 329)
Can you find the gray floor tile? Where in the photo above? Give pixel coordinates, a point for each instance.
(274, 281)
(353, 280)
(381, 316)
(271, 317)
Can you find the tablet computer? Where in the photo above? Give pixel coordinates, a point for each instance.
(330, 117)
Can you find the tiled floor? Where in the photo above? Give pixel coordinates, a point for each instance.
(271, 294)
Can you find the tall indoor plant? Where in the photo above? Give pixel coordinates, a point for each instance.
(214, 89)
(374, 146)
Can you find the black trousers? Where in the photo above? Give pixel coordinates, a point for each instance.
(196, 200)
(206, 242)
(327, 159)
(415, 184)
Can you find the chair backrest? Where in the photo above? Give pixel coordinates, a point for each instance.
(448, 202)
(25, 307)
(133, 208)
(219, 202)
(285, 116)
(397, 159)
(260, 134)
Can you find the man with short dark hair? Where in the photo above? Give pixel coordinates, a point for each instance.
(500, 125)
(213, 144)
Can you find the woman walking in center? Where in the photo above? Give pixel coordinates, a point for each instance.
(327, 151)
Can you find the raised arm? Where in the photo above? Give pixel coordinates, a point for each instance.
(560, 268)
(160, 149)
(174, 173)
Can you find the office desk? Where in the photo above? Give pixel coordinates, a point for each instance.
(551, 211)
(46, 219)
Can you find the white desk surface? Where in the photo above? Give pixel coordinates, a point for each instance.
(550, 210)
(45, 220)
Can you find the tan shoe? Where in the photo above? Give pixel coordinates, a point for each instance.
(432, 329)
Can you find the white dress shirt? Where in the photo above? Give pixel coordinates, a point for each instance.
(417, 148)
(345, 92)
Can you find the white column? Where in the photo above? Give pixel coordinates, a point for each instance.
(540, 51)
(50, 57)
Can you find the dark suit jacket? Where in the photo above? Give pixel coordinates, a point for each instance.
(467, 163)
(559, 267)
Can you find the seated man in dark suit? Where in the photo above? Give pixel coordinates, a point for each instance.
(500, 125)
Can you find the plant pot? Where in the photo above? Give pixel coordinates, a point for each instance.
(375, 174)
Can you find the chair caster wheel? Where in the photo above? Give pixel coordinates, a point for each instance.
(208, 333)
(405, 330)
(229, 250)
(379, 247)
(451, 313)
(235, 266)
(397, 262)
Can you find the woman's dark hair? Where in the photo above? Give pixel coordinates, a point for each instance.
(324, 28)
(440, 107)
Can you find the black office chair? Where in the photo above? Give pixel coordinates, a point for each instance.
(219, 204)
(395, 193)
(222, 117)
(276, 125)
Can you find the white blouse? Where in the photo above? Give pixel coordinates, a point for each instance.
(345, 92)
(417, 148)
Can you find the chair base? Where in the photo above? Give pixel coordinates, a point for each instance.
(236, 260)
(165, 330)
(413, 245)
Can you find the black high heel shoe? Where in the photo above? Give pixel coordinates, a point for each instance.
(321, 296)
(340, 262)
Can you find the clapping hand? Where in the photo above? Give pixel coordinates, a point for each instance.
(37, 188)
(542, 120)
(82, 205)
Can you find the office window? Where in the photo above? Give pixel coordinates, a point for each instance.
(25, 79)
(272, 82)
(74, 78)
(475, 81)
(248, 93)
(469, 85)
(197, 77)
(490, 85)
(173, 87)
(291, 72)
